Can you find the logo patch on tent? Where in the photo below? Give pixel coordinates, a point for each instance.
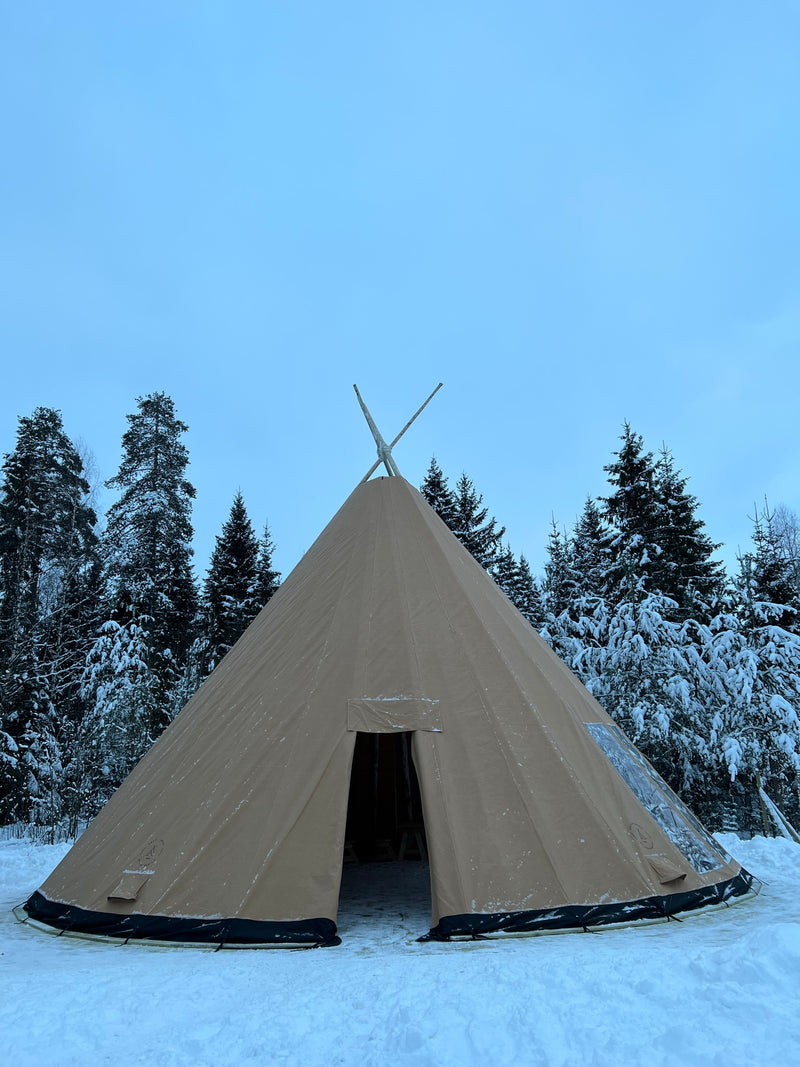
(641, 837)
(149, 854)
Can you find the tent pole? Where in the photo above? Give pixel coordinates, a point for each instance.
(385, 451)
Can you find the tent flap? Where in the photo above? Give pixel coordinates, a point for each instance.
(384, 715)
(127, 888)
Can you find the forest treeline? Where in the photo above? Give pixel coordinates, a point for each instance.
(105, 631)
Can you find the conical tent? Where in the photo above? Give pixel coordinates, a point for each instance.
(539, 813)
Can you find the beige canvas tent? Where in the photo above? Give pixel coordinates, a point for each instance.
(539, 813)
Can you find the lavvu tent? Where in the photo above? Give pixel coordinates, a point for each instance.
(538, 811)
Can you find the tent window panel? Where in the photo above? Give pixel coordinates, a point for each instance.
(668, 810)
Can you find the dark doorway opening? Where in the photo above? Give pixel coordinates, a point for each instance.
(384, 808)
(383, 895)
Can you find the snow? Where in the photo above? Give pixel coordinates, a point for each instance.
(719, 988)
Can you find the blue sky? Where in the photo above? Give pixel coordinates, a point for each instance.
(572, 214)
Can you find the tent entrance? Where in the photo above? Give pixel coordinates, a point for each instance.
(385, 888)
(384, 808)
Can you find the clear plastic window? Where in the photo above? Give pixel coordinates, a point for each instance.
(669, 811)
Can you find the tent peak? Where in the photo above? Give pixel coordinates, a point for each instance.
(385, 451)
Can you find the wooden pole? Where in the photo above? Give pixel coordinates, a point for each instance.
(385, 451)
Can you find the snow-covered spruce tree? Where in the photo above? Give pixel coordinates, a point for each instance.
(589, 551)
(575, 623)
(632, 517)
(438, 494)
(758, 726)
(646, 671)
(632, 641)
(479, 534)
(559, 594)
(461, 510)
(505, 571)
(750, 699)
(268, 580)
(123, 699)
(514, 577)
(462, 513)
(48, 574)
(746, 683)
(683, 569)
(767, 575)
(637, 661)
(655, 539)
(560, 579)
(528, 594)
(230, 591)
(30, 756)
(787, 527)
(149, 578)
(728, 674)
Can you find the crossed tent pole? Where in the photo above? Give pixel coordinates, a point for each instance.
(385, 451)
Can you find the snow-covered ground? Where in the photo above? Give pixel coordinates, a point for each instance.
(719, 989)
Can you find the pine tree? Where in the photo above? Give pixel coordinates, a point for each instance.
(462, 512)
(148, 564)
(268, 580)
(576, 615)
(529, 595)
(767, 679)
(439, 494)
(48, 571)
(753, 660)
(124, 699)
(230, 594)
(636, 633)
(590, 554)
(47, 538)
(684, 569)
(30, 750)
(560, 580)
(505, 571)
(644, 671)
(766, 577)
(787, 528)
(514, 577)
(632, 515)
(479, 534)
(559, 595)
(656, 542)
